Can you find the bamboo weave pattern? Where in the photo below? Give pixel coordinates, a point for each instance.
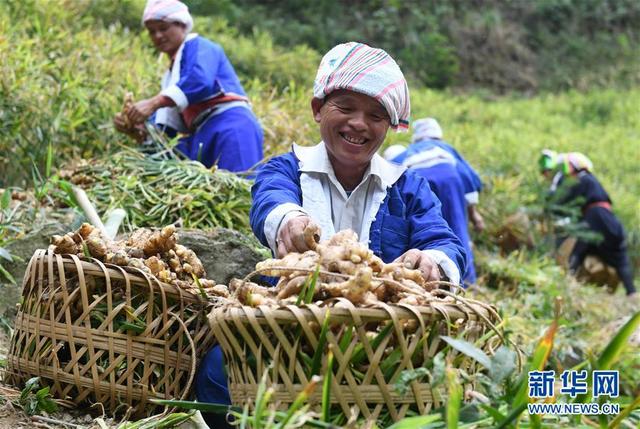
(98, 332)
(371, 349)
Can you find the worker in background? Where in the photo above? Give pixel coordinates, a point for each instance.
(451, 178)
(572, 181)
(201, 96)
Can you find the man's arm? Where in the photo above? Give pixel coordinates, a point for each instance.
(277, 198)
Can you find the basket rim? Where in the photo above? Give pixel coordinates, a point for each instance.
(286, 314)
(95, 267)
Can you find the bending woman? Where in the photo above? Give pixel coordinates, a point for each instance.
(201, 95)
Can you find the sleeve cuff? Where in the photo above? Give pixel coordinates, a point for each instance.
(448, 266)
(278, 217)
(472, 197)
(178, 97)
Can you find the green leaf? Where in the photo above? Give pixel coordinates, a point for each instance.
(4, 253)
(298, 402)
(513, 415)
(326, 389)
(503, 363)
(625, 413)
(322, 340)
(29, 386)
(6, 199)
(203, 294)
(611, 353)
(415, 422)
(438, 371)
(262, 399)
(537, 362)
(469, 349)
(359, 353)
(402, 385)
(7, 275)
(202, 406)
(67, 188)
(454, 400)
(311, 289)
(493, 412)
(49, 161)
(42, 393)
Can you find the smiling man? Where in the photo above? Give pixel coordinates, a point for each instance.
(342, 183)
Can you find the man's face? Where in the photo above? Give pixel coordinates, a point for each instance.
(166, 36)
(353, 126)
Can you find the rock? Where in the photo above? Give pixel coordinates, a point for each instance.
(21, 251)
(224, 253)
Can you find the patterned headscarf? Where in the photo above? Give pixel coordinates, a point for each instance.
(370, 71)
(567, 163)
(425, 129)
(573, 162)
(167, 10)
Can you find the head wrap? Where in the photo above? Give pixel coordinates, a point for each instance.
(567, 163)
(573, 162)
(426, 128)
(393, 151)
(169, 11)
(547, 160)
(370, 71)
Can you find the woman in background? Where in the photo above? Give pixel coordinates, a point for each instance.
(201, 95)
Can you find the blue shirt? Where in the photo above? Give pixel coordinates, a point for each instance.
(409, 216)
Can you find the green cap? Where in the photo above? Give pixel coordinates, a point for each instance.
(547, 160)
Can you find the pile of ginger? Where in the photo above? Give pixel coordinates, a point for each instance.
(347, 268)
(154, 252)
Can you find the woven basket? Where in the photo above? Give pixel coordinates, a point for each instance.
(97, 332)
(280, 341)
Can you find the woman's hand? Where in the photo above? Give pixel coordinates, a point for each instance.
(416, 259)
(476, 218)
(140, 111)
(291, 236)
(136, 132)
(121, 124)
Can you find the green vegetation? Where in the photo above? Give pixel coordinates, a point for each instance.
(35, 400)
(502, 45)
(67, 64)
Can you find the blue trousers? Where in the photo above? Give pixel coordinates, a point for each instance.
(211, 379)
(232, 140)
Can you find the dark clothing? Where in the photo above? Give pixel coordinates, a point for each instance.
(586, 187)
(612, 248)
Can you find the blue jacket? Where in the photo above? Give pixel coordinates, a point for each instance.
(470, 179)
(204, 72)
(408, 218)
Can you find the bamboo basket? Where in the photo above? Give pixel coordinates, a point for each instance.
(280, 341)
(102, 333)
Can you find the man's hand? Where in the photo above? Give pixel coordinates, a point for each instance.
(416, 259)
(291, 236)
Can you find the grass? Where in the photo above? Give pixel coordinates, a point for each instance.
(57, 101)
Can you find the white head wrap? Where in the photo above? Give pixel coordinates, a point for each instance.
(169, 11)
(393, 151)
(370, 71)
(426, 128)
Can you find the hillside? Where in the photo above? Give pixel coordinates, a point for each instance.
(68, 63)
